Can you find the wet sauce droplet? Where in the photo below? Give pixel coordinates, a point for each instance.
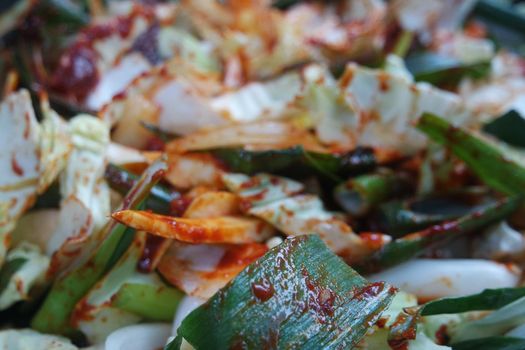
(262, 290)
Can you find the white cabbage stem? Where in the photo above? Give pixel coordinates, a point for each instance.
(139, 337)
(429, 279)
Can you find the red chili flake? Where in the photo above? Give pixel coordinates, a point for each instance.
(442, 337)
(27, 120)
(369, 291)
(17, 169)
(383, 82)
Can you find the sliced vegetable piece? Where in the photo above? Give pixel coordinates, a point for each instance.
(399, 217)
(9, 268)
(508, 299)
(414, 244)
(297, 161)
(122, 181)
(429, 279)
(139, 337)
(153, 302)
(360, 194)
(25, 267)
(509, 128)
(489, 299)
(251, 162)
(274, 200)
(54, 314)
(438, 69)
(20, 165)
(305, 214)
(261, 189)
(226, 229)
(403, 328)
(187, 171)
(260, 100)
(494, 164)
(86, 200)
(500, 242)
(202, 269)
(263, 134)
(387, 104)
(29, 339)
(491, 343)
(213, 204)
(496, 323)
(108, 297)
(292, 297)
(55, 146)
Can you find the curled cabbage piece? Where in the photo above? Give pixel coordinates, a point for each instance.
(85, 205)
(200, 270)
(277, 201)
(32, 271)
(386, 105)
(31, 160)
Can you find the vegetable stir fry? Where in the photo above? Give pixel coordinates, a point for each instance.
(204, 174)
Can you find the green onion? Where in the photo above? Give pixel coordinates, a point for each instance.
(411, 246)
(299, 295)
(488, 160)
(297, 161)
(360, 194)
(438, 69)
(54, 314)
(491, 343)
(489, 299)
(122, 181)
(148, 301)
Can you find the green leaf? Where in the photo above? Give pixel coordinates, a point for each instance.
(297, 161)
(509, 128)
(438, 69)
(489, 299)
(54, 314)
(410, 246)
(497, 166)
(175, 344)
(491, 343)
(299, 295)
